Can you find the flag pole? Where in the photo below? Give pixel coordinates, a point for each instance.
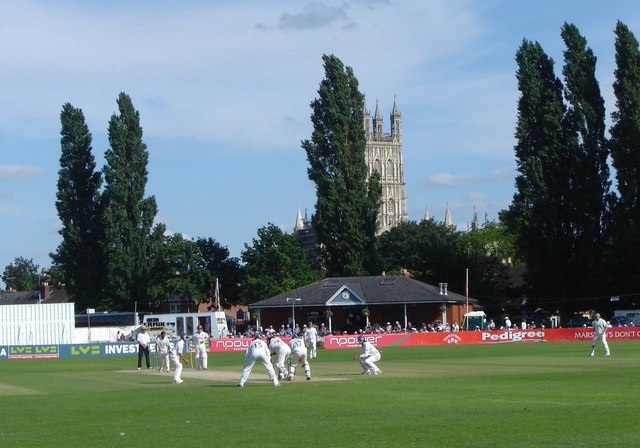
(466, 293)
(217, 295)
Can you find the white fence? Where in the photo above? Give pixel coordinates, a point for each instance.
(52, 323)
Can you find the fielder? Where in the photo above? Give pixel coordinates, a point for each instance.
(282, 351)
(177, 356)
(257, 351)
(311, 338)
(369, 356)
(600, 334)
(298, 356)
(163, 347)
(199, 342)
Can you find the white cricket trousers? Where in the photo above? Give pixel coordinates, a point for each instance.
(368, 364)
(177, 366)
(603, 338)
(249, 361)
(201, 356)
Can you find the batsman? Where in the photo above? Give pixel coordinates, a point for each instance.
(199, 341)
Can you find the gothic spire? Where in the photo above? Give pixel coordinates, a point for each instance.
(447, 217)
(377, 122)
(299, 222)
(474, 224)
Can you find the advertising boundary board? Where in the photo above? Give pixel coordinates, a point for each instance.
(333, 342)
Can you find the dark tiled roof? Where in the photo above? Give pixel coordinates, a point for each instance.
(55, 295)
(380, 290)
(19, 298)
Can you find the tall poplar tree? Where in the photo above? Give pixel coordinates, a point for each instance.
(589, 196)
(130, 240)
(540, 212)
(79, 256)
(347, 201)
(625, 152)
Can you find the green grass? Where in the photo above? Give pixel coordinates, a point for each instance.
(521, 395)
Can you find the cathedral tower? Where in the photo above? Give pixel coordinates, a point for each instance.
(384, 155)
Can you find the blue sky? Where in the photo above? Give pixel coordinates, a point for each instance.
(223, 89)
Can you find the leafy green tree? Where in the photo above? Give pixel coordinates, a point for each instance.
(275, 263)
(21, 275)
(79, 257)
(589, 194)
(436, 253)
(128, 215)
(540, 213)
(347, 202)
(429, 250)
(177, 272)
(216, 261)
(492, 239)
(625, 152)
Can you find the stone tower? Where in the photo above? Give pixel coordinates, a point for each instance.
(384, 155)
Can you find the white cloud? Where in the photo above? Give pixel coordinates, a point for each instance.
(451, 180)
(314, 15)
(19, 172)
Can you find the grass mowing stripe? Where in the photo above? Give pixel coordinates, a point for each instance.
(521, 394)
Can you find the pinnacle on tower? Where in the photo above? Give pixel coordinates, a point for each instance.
(447, 217)
(299, 222)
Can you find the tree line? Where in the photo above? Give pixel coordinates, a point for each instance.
(574, 234)
(577, 233)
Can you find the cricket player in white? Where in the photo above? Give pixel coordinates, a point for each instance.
(298, 356)
(311, 338)
(368, 357)
(176, 356)
(282, 351)
(163, 346)
(600, 327)
(258, 351)
(199, 342)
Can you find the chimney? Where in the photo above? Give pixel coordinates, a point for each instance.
(45, 290)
